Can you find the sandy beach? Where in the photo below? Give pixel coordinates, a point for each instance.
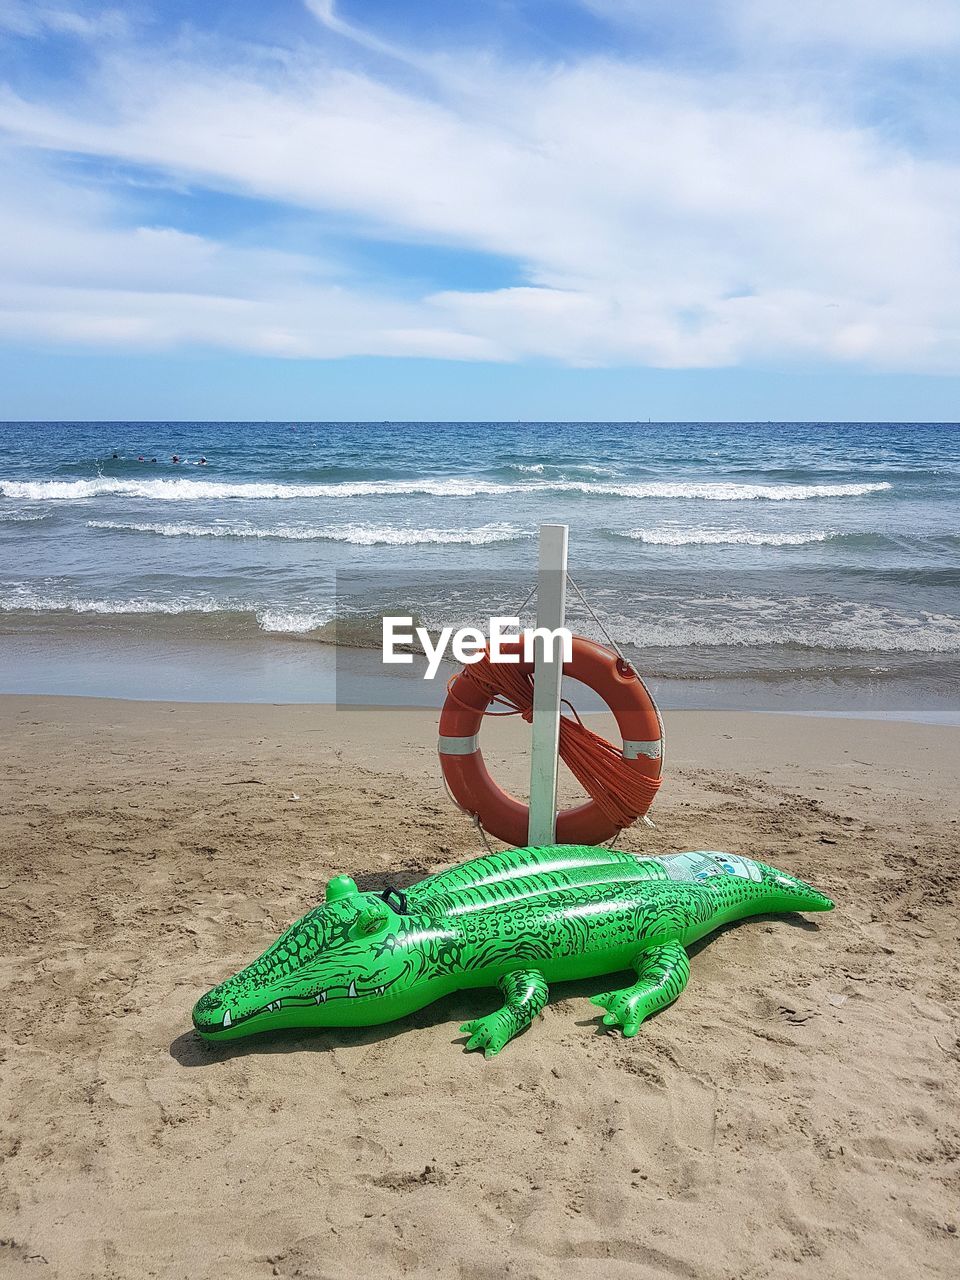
(795, 1113)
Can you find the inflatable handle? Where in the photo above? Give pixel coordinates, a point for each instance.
(400, 896)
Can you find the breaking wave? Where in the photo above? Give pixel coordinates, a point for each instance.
(54, 603)
(554, 468)
(724, 537)
(278, 620)
(452, 487)
(359, 535)
(297, 622)
(742, 623)
(9, 517)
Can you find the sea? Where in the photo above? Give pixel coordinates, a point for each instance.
(799, 567)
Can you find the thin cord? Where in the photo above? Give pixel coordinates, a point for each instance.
(627, 663)
(529, 596)
(474, 817)
(483, 835)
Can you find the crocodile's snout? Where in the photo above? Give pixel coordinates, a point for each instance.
(326, 964)
(210, 1014)
(222, 1008)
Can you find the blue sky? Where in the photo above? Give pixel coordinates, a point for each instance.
(504, 209)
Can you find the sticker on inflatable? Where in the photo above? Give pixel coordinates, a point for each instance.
(734, 865)
(690, 867)
(702, 866)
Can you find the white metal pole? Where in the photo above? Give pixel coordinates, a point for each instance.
(547, 677)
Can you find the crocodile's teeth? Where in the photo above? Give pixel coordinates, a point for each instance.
(226, 1018)
(321, 997)
(353, 989)
(381, 990)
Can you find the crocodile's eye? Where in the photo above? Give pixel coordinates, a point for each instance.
(370, 920)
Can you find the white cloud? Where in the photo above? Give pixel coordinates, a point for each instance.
(23, 18)
(861, 28)
(654, 217)
(69, 273)
(893, 27)
(325, 12)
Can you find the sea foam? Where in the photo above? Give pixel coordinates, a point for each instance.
(276, 620)
(52, 603)
(723, 537)
(291, 621)
(360, 535)
(746, 623)
(450, 487)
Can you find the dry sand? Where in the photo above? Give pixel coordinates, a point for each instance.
(795, 1113)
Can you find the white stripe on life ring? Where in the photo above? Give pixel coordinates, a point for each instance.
(632, 749)
(459, 746)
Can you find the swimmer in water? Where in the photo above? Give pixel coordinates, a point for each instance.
(175, 458)
(202, 462)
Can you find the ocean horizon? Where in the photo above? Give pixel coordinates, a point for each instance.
(789, 566)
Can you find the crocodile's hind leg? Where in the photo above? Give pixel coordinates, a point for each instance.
(662, 974)
(524, 995)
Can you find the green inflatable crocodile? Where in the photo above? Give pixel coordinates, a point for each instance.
(516, 920)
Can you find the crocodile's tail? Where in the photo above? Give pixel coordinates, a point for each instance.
(791, 894)
(745, 887)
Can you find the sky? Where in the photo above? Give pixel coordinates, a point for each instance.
(502, 209)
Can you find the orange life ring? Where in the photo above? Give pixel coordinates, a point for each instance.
(501, 813)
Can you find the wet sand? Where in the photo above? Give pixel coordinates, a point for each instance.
(795, 1113)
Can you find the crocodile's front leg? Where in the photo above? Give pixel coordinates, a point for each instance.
(524, 994)
(662, 974)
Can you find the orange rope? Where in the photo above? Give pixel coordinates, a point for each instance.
(621, 792)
